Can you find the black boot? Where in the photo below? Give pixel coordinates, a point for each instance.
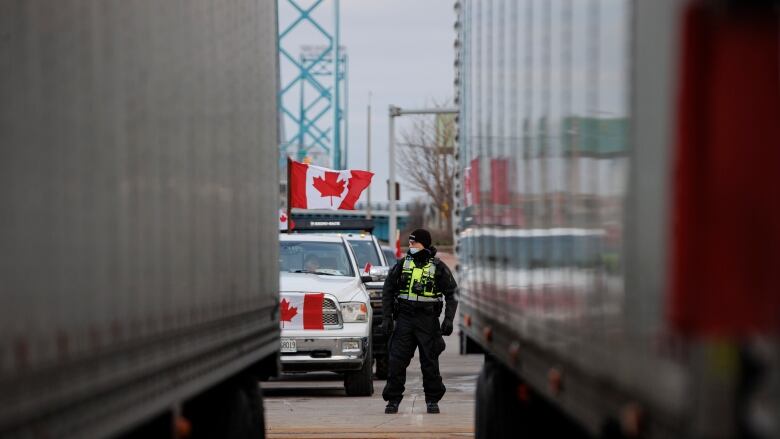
(392, 407)
(432, 406)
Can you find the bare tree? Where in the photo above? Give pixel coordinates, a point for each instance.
(427, 161)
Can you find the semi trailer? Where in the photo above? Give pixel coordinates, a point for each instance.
(617, 223)
(138, 233)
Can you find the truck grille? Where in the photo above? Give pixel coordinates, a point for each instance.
(330, 314)
(328, 305)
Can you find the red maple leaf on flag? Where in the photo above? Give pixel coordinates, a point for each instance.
(330, 186)
(286, 311)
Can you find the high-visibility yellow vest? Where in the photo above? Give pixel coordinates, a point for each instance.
(417, 283)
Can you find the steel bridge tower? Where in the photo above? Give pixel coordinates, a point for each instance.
(313, 94)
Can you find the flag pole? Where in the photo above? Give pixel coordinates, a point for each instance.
(289, 192)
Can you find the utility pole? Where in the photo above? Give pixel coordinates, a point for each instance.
(393, 113)
(368, 158)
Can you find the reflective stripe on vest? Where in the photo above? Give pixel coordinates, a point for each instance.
(423, 276)
(421, 298)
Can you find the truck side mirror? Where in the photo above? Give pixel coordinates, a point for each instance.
(379, 273)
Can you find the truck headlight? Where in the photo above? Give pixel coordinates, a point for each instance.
(354, 312)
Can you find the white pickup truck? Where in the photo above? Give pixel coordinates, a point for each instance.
(325, 312)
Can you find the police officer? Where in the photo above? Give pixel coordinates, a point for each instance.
(416, 289)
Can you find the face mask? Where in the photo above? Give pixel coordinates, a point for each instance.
(413, 250)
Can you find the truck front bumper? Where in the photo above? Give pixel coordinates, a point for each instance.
(324, 354)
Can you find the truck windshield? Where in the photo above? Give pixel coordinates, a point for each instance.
(328, 258)
(390, 256)
(365, 252)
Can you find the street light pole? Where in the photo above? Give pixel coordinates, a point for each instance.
(393, 113)
(368, 158)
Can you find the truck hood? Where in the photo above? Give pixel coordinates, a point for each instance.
(345, 289)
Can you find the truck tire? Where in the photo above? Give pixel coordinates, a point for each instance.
(361, 382)
(498, 413)
(381, 367)
(232, 410)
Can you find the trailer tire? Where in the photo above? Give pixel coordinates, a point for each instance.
(499, 413)
(361, 382)
(381, 367)
(232, 410)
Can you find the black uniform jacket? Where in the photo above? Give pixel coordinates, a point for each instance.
(443, 280)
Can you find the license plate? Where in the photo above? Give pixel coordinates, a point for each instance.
(289, 345)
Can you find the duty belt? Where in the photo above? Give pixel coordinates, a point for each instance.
(421, 298)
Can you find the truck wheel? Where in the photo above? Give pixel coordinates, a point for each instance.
(498, 412)
(233, 410)
(361, 382)
(501, 413)
(381, 367)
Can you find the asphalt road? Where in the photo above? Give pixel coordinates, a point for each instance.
(316, 406)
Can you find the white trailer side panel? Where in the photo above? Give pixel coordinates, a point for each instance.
(138, 196)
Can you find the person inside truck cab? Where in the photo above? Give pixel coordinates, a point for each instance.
(311, 263)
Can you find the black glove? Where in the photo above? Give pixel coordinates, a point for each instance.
(387, 327)
(446, 327)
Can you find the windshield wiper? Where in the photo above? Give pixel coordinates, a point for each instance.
(315, 272)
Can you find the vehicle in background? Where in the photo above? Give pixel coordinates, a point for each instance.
(571, 219)
(367, 251)
(389, 253)
(325, 310)
(138, 237)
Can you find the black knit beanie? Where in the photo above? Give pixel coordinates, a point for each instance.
(422, 236)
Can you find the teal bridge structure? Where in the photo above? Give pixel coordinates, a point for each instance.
(313, 88)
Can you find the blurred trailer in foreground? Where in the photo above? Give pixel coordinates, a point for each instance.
(138, 193)
(617, 222)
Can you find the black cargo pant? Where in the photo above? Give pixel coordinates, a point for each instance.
(416, 327)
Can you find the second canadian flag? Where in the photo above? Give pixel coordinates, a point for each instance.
(301, 311)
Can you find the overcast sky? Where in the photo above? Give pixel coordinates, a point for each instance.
(399, 50)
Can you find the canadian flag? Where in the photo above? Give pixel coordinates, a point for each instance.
(314, 187)
(301, 311)
(398, 253)
(283, 220)
(471, 191)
